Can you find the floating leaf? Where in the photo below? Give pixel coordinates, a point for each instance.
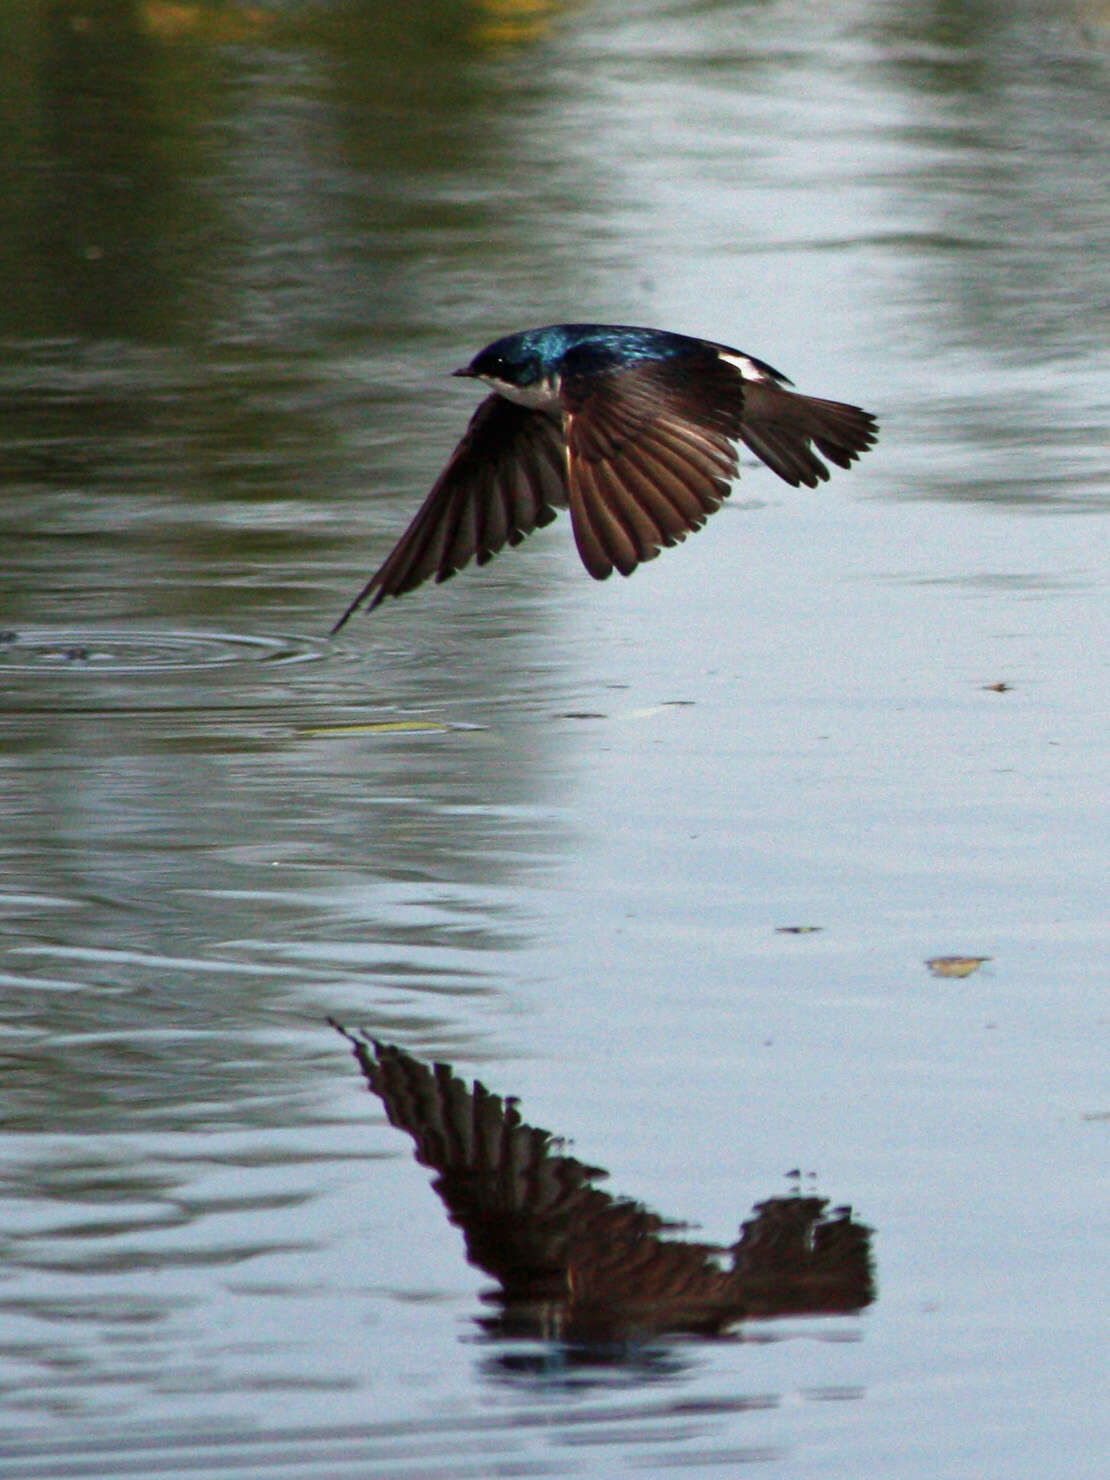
(385, 727)
(955, 965)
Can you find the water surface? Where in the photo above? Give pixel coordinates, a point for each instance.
(664, 858)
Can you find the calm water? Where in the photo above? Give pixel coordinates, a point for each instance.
(557, 835)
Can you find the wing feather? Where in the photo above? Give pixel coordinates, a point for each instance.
(650, 452)
(506, 477)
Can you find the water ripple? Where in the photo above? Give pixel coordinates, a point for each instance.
(87, 652)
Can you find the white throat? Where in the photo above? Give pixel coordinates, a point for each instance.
(542, 396)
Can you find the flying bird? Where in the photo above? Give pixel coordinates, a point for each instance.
(633, 429)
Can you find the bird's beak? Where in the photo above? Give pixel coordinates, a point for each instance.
(466, 370)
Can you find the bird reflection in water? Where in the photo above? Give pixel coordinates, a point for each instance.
(581, 1267)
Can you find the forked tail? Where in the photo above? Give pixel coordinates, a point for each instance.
(782, 428)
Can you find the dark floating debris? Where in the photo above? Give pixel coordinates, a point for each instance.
(798, 929)
(998, 688)
(955, 965)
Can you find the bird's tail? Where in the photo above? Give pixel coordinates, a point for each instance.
(782, 428)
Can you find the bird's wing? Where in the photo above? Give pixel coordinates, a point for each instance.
(779, 426)
(506, 478)
(650, 453)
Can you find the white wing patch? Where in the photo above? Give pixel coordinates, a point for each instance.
(748, 369)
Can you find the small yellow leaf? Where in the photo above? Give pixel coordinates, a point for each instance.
(955, 965)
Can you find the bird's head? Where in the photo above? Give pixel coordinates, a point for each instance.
(517, 368)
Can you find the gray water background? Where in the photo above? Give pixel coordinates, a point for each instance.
(548, 830)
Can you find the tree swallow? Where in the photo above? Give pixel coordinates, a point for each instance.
(634, 430)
